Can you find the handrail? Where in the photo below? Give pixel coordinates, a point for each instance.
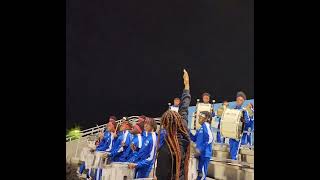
(96, 129)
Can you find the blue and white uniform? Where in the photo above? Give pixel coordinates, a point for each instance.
(128, 153)
(203, 139)
(248, 128)
(145, 157)
(234, 144)
(107, 148)
(117, 151)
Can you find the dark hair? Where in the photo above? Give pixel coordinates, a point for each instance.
(242, 94)
(205, 94)
(208, 116)
(113, 117)
(71, 172)
(176, 98)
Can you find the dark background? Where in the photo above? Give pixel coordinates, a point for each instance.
(126, 57)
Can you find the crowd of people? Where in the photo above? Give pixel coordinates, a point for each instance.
(141, 145)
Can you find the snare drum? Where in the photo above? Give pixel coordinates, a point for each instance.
(98, 160)
(85, 151)
(120, 170)
(89, 160)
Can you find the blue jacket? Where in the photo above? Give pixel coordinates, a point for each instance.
(105, 142)
(148, 152)
(203, 139)
(128, 153)
(118, 149)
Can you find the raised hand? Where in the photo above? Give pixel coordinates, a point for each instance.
(186, 79)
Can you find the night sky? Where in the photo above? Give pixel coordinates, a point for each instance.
(126, 57)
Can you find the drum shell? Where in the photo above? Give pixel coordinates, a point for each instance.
(231, 125)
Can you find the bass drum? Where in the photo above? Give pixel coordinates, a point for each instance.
(231, 125)
(200, 107)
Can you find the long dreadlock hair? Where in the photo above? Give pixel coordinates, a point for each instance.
(172, 122)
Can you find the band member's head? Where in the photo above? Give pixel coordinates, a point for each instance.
(204, 116)
(111, 126)
(176, 101)
(149, 124)
(241, 97)
(206, 97)
(125, 126)
(173, 124)
(141, 119)
(137, 129)
(225, 103)
(113, 118)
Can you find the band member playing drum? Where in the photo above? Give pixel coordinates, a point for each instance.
(248, 128)
(203, 139)
(206, 99)
(225, 105)
(176, 104)
(234, 144)
(106, 141)
(143, 160)
(122, 143)
(136, 143)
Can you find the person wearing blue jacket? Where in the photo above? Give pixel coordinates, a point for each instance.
(109, 138)
(122, 143)
(135, 145)
(203, 140)
(248, 128)
(145, 158)
(233, 143)
(225, 105)
(105, 143)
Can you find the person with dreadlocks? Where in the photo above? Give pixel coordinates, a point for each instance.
(122, 142)
(203, 139)
(173, 150)
(143, 160)
(136, 143)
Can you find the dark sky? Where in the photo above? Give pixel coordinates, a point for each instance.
(125, 57)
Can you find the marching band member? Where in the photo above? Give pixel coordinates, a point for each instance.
(141, 120)
(144, 159)
(248, 128)
(173, 139)
(203, 139)
(206, 99)
(122, 142)
(136, 143)
(105, 143)
(225, 105)
(176, 104)
(108, 142)
(234, 144)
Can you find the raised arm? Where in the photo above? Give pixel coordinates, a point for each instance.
(186, 97)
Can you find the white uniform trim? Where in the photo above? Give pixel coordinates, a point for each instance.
(203, 175)
(110, 145)
(139, 140)
(154, 140)
(209, 132)
(124, 140)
